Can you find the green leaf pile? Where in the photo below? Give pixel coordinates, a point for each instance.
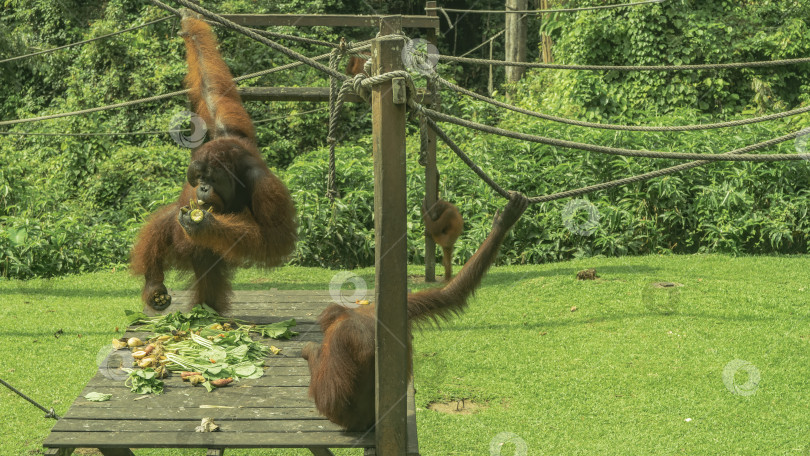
(144, 381)
(206, 347)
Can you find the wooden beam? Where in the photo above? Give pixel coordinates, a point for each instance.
(431, 172)
(328, 20)
(390, 221)
(290, 94)
(311, 94)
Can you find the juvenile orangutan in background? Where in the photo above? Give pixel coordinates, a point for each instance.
(444, 224)
(342, 366)
(232, 211)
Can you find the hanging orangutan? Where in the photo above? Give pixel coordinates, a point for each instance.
(342, 366)
(444, 224)
(233, 210)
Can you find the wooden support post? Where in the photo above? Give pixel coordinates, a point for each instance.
(546, 40)
(58, 451)
(390, 296)
(515, 38)
(321, 452)
(431, 172)
(215, 452)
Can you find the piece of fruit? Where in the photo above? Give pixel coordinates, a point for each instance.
(134, 342)
(119, 344)
(196, 215)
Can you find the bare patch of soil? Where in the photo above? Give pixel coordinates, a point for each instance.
(460, 407)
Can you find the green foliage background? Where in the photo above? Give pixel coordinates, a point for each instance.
(71, 203)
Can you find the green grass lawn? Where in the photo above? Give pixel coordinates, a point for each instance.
(633, 370)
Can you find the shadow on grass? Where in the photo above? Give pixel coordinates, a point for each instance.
(49, 334)
(72, 293)
(562, 323)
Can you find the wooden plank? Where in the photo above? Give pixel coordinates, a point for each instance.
(388, 127)
(211, 440)
(195, 413)
(267, 380)
(267, 293)
(128, 426)
(290, 396)
(327, 20)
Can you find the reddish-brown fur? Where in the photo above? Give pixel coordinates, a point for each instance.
(444, 224)
(355, 65)
(251, 218)
(342, 366)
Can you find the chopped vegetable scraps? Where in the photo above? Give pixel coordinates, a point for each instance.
(207, 349)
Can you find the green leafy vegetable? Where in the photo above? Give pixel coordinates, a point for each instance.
(144, 381)
(278, 330)
(97, 397)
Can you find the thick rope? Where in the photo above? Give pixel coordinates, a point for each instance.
(278, 47)
(580, 123)
(167, 8)
(331, 138)
(49, 413)
(46, 51)
(556, 66)
(617, 150)
(650, 175)
(560, 10)
(163, 132)
(460, 153)
(591, 188)
(155, 98)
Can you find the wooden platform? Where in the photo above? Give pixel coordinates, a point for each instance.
(273, 411)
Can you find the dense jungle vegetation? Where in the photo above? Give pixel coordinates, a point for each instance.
(73, 203)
